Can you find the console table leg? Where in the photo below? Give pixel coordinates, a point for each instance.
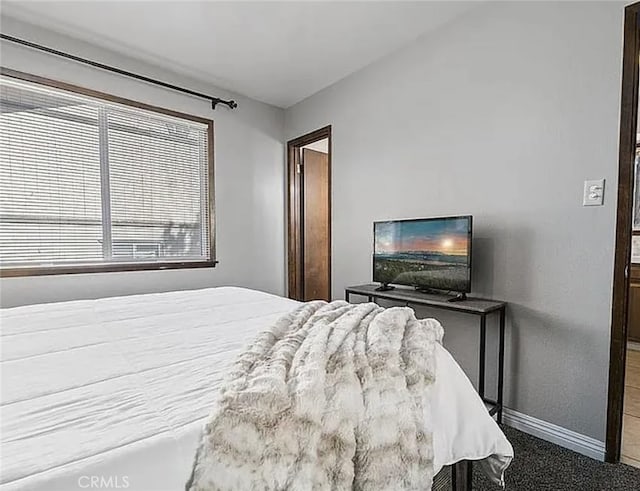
(483, 349)
(462, 476)
(501, 364)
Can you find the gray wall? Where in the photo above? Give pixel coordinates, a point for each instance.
(249, 178)
(501, 114)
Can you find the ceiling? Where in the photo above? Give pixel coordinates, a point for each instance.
(275, 52)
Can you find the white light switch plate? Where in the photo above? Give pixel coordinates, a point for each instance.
(593, 194)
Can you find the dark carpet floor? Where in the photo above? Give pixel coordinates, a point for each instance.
(539, 465)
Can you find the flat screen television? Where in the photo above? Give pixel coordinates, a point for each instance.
(426, 253)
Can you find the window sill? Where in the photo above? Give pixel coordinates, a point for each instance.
(102, 268)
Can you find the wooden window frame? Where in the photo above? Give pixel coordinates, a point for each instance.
(10, 272)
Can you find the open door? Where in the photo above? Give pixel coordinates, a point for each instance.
(315, 218)
(309, 210)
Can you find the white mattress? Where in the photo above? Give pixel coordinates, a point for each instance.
(111, 393)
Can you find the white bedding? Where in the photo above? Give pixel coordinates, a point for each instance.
(111, 393)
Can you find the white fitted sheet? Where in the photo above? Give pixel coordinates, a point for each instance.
(116, 389)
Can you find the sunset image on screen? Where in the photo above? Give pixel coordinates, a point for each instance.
(429, 253)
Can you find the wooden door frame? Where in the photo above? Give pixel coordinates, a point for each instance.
(295, 252)
(622, 258)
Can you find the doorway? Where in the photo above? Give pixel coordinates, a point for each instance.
(630, 449)
(309, 216)
(626, 276)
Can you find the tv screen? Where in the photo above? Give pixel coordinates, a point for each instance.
(428, 253)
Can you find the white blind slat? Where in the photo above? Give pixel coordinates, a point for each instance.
(56, 173)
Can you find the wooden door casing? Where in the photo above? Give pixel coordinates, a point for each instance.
(626, 157)
(295, 217)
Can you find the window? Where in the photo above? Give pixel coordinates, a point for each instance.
(90, 182)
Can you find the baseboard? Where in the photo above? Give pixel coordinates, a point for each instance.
(632, 345)
(577, 442)
(630, 461)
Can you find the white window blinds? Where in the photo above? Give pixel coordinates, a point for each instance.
(89, 183)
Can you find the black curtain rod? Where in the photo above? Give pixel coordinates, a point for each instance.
(214, 100)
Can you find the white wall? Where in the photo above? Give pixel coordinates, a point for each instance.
(319, 146)
(249, 178)
(501, 114)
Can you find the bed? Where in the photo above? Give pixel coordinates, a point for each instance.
(112, 393)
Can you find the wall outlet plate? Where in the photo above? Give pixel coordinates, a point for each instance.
(593, 193)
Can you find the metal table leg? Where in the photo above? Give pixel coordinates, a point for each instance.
(483, 350)
(462, 476)
(501, 364)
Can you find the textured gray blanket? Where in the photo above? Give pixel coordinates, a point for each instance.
(332, 397)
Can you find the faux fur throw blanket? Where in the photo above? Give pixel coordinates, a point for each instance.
(333, 396)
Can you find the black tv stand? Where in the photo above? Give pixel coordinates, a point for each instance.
(460, 297)
(429, 291)
(385, 287)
